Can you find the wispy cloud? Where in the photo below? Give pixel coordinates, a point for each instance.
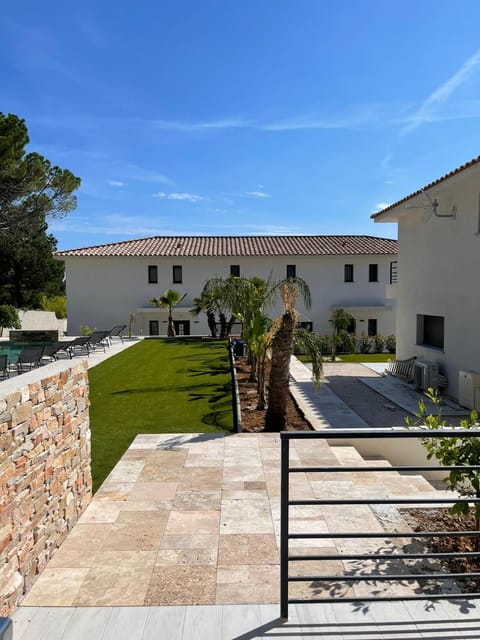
(116, 183)
(382, 205)
(258, 194)
(426, 112)
(189, 197)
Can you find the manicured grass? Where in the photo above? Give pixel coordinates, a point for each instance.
(356, 357)
(157, 386)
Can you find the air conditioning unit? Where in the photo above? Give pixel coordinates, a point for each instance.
(425, 375)
(469, 389)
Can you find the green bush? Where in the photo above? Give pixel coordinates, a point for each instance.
(364, 344)
(379, 343)
(57, 304)
(391, 343)
(9, 317)
(453, 452)
(85, 330)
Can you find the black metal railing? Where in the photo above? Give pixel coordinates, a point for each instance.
(363, 570)
(236, 408)
(393, 272)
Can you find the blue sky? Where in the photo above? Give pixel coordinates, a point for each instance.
(227, 117)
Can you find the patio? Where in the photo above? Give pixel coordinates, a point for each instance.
(183, 537)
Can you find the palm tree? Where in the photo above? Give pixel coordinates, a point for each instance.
(169, 300)
(206, 304)
(340, 320)
(283, 331)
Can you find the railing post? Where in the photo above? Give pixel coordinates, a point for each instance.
(284, 498)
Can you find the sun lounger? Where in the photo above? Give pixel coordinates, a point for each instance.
(116, 332)
(4, 372)
(98, 340)
(28, 358)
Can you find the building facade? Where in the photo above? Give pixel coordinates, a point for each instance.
(438, 290)
(107, 283)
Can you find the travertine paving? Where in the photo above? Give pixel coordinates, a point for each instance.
(195, 520)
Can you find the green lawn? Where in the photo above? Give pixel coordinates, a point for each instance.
(157, 386)
(356, 357)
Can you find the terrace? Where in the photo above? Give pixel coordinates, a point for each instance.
(184, 536)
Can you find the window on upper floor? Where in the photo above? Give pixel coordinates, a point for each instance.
(373, 272)
(291, 270)
(348, 273)
(235, 270)
(177, 274)
(152, 274)
(431, 331)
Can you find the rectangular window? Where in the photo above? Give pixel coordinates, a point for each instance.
(372, 327)
(152, 274)
(430, 331)
(348, 273)
(235, 270)
(154, 328)
(373, 272)
(177, 273)
(291, 271)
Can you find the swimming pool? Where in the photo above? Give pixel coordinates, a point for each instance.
(12, 349)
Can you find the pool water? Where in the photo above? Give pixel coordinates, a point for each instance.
(12, 349)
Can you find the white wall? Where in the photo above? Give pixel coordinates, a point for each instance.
(32, 320)
(102, 292)
(439, 274)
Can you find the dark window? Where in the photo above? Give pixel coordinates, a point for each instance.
(372, 327)
(152, 274)
(352, 326)
(177, 273)
(291, 270)
(430, 331)
(306, 325)
(154, 328)
(182, 327)
(349, 273)
(373, 272)
(235, 270)
(393, 272)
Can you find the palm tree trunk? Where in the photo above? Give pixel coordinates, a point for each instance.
(171, 326)
(282, 347)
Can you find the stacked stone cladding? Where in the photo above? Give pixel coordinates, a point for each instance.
(45, 478)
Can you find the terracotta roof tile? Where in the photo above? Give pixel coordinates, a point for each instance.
(238, 246)
(459, 169)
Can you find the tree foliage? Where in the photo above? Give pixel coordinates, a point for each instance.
(454, 451)
(9, 317)
(340, 320)
(31, 191)
(30, 186)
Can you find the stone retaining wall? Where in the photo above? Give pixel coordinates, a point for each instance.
(45, 479)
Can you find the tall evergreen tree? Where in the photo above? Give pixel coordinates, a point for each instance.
(31, 191)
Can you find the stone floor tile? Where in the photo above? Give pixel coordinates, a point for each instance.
(190, 500)
(136, 531)
(153, 491)
(73, 553)
(57, 586)
(193, 522)
(100, 512)
(189, 541)
(244, 584)
(245, 473)
(153, 472)
(204, 461)
(248, 549)
(120, 579)
(109, 488)
(244, 494)
(246, 516)
(146, 505)
(167, 459)
(175, 557)
(181, 585)
(126, 471)
(201, 478)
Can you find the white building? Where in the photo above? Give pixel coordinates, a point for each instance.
(106, 283)
(438, 296)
